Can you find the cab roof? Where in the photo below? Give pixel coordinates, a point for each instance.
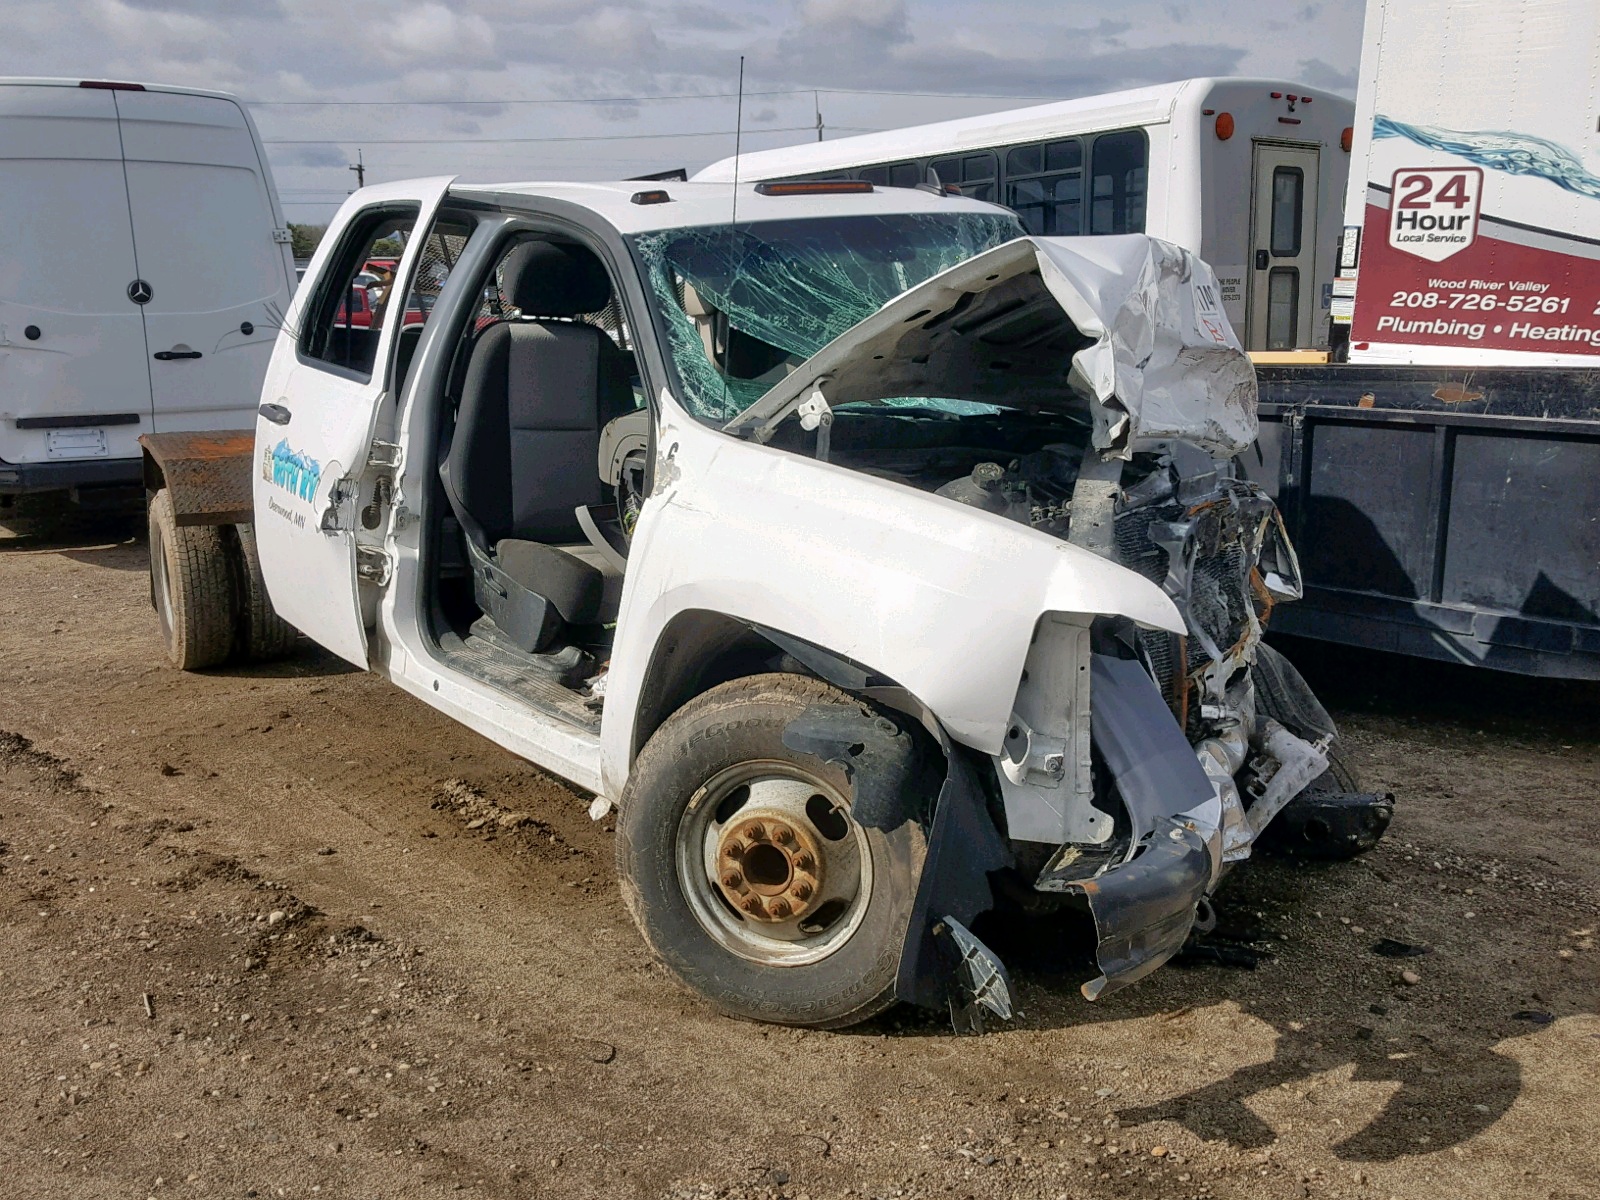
(692, 204)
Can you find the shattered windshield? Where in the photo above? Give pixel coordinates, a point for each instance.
(742, 306)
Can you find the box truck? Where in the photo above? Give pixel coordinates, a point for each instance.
(144, 274)
(1443, 485)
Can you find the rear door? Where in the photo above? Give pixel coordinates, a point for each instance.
(73, 379)
(204, 231)
(318, 493)
(1283, 231)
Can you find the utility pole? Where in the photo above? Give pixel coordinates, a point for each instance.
(816, 103)
(360, 168)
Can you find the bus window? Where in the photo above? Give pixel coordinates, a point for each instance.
(1117, 167)
(973, 173)
(901, 174)
(1044, 185)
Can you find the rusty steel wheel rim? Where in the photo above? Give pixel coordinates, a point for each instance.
(772, 865)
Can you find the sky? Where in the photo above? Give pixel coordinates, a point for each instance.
(606, 89)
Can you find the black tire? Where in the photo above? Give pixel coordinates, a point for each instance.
(742, 722)
(1283, 694)
(191, 588)
(262, 634)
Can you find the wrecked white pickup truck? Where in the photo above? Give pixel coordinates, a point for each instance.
(879, 563)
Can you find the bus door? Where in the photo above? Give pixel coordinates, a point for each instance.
(1283, 245)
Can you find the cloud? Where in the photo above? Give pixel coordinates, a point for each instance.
(1333, 79)
(506, 50)
(436, 35)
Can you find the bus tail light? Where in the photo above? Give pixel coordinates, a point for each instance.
(1224, 126)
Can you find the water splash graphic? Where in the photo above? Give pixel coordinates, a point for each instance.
(1513, 153)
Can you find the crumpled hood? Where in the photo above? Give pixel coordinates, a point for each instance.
(1127, 331)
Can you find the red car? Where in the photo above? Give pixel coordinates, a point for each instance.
(357, 310)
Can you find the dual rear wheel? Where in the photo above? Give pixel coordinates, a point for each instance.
(206, 587)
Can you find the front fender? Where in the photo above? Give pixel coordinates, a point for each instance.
(941, 597)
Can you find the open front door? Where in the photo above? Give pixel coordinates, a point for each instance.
(329, 380)
(1283, 246)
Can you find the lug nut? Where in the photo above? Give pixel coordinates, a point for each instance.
(733, 850)
(802, 891)
(780, 908)
(733, 881)
(751, 904)
(783, 835)
(804, 862)
(757, 832)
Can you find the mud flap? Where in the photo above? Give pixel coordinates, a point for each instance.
(938, 969)
(1144, 908)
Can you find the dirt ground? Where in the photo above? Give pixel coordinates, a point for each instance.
(284, 931)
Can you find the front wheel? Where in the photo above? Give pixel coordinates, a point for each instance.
(745, 867)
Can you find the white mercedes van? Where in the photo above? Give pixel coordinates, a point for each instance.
(144, 273)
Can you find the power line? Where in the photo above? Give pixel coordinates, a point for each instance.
(459, 141)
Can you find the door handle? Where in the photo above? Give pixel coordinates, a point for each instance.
(169, 355)
(276, 413)
(1262, 261)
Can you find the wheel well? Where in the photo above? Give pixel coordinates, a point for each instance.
(696, 651)
(700, 649)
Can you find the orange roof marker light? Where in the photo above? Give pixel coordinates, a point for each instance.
(814, 187)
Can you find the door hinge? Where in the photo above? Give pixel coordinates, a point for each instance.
(336, 517)
(384, 455)
(373, 564)
(283, 237)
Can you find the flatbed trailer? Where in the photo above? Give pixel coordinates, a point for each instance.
(1450, 513)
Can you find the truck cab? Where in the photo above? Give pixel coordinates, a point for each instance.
(873, 558)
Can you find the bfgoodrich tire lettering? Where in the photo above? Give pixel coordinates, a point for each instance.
(729, 728)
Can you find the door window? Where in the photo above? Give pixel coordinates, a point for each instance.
(1118, 166)
(1283, 308)
(1288, 200)
(436, 258)
(355, 295)
(1044, 185)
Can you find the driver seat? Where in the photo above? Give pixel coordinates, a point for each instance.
(534, 398)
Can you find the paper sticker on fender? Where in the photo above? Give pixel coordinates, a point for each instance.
(1434, 210)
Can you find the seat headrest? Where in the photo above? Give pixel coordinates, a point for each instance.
(548, 279)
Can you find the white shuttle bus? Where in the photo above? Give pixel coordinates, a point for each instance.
(144, 270)
(1248, 173)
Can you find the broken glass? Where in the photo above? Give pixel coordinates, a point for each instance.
(742, 306)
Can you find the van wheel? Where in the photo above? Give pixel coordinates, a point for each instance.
(262, 634)
(744, 867)
(191, 588)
